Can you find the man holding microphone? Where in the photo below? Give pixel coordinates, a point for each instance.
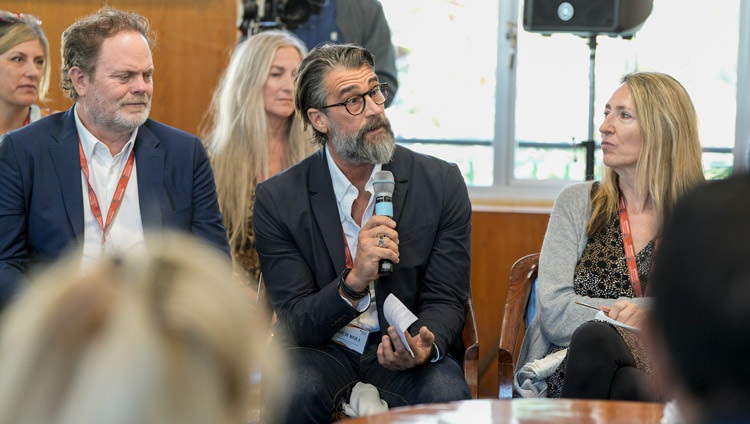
(321, 244)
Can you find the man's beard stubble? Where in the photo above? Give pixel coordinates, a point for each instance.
(111, 116)
(354, 148)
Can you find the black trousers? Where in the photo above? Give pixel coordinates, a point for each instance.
(600, 366)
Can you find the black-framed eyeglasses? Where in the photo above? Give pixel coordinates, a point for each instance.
(355, 105)
(13, 18)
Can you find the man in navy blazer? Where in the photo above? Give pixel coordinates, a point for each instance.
(49, 169)
(320, 245)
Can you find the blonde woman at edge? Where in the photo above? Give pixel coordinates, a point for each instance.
(24, 70)
(255, 132)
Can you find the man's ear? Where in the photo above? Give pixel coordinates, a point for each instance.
(318, 119)
(79, 80)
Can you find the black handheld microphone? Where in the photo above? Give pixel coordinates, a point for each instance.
(383, 186)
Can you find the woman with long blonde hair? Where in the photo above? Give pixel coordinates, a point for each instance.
(254, 132)
(600, 243)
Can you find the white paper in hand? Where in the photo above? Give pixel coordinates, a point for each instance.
(601, 316)
(400, 317)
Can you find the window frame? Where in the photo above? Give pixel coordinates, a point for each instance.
(742, 124)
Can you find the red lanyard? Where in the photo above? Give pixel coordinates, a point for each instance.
(27, 121)
(627, 241)
(347, 252)
(114, 206)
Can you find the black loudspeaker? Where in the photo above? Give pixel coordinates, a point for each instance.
(586, 17)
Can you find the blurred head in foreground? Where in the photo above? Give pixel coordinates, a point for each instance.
(157, 336)
(701, 288)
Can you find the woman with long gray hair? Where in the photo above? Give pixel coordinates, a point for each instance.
(254, 132)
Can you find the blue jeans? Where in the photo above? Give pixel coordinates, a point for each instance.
(320, 379)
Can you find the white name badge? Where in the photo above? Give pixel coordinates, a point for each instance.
(352, 337)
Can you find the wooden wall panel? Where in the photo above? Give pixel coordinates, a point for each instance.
(499, 238)
(194, 41)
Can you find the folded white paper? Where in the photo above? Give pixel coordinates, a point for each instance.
(400, 317)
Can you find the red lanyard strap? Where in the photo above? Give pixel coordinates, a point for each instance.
(114, 206)
(627, 241)
(347, 252)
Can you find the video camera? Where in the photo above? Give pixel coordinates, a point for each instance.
(260, 15)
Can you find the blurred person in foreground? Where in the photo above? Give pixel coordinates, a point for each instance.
(149, 336)
(101, 174)
(24, 70)
(599, 246)
(700, 319)
(320, 244)
(254, 133)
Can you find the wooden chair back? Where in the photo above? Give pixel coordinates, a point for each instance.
(523, 273)
(470, 340)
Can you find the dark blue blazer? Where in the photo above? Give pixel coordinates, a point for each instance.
(300, 244)
(41, 200)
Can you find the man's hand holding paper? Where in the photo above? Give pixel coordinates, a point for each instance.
(399, 350)
(392, 353)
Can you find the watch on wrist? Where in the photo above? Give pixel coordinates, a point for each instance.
(348, 292)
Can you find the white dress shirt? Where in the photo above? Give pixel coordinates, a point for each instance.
(346, 193)
(126, 230)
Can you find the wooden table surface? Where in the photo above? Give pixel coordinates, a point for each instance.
(521, 411)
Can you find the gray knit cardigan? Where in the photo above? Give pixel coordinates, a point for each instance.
(557, 315)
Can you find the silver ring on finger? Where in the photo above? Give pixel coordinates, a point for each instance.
(381, 240)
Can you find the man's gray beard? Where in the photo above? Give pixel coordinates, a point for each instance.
(130, 123)
(356, 149)
(124, 122)
(110, 116)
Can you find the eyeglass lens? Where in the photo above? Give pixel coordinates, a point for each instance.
(356, 105)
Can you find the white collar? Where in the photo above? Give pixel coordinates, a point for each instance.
(89, 141)
(341, 184)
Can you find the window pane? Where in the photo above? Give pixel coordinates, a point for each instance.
(446, 56)
(694, 41)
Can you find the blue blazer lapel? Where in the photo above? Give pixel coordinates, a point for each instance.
(67, 165)
(149, 162)
(323, 203)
